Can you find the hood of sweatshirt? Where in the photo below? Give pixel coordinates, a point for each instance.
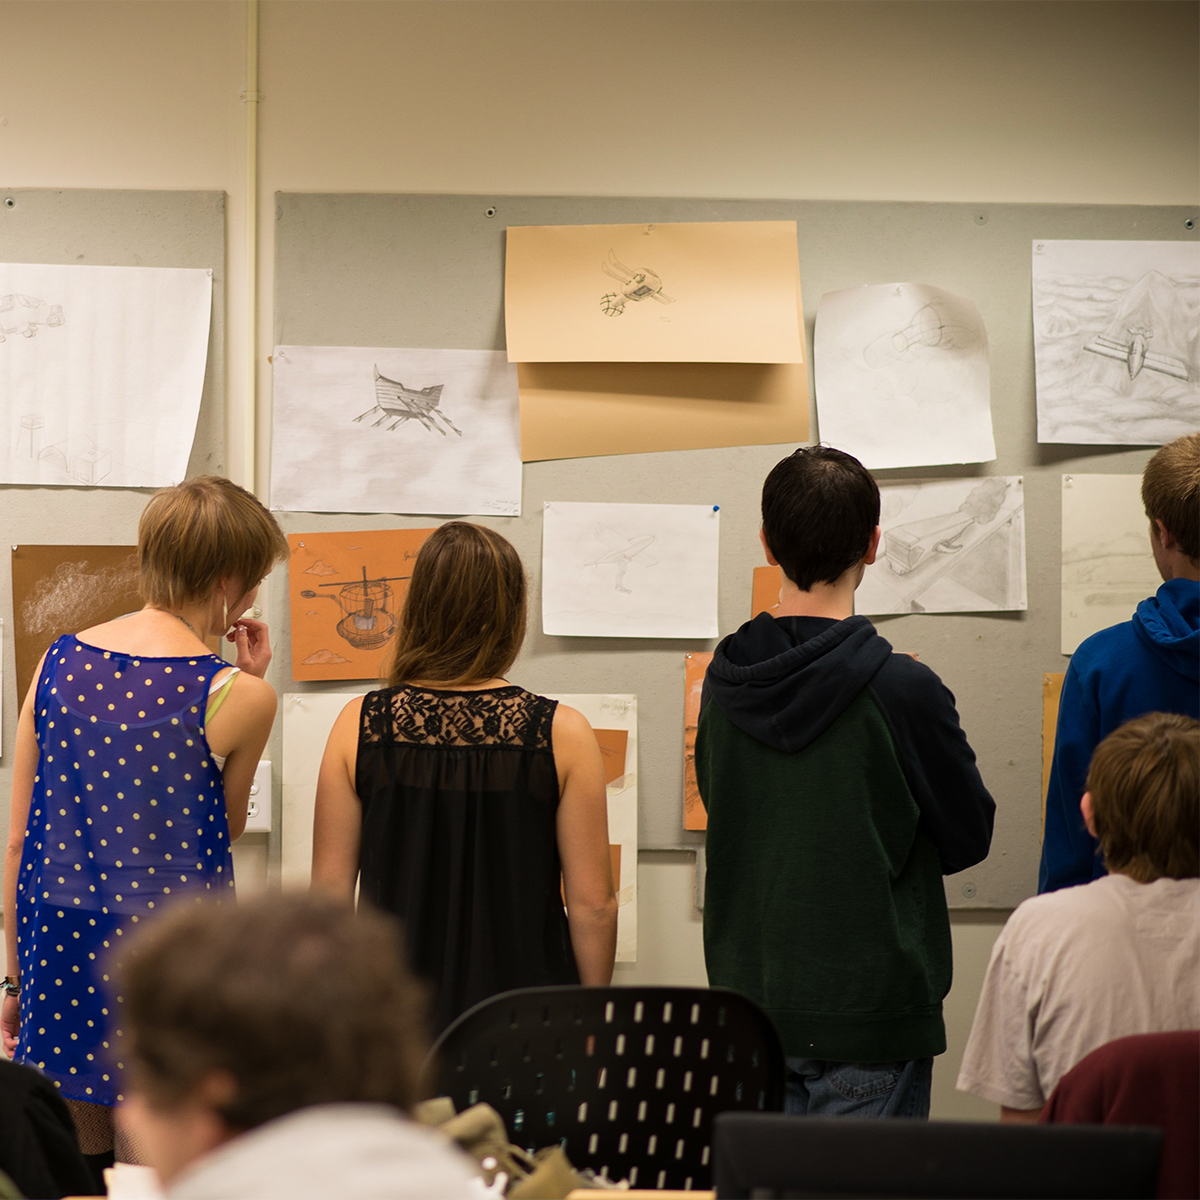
(1168, 623)
(785, 681)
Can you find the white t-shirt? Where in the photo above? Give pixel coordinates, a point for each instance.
(1076, 968)
(332, 1152)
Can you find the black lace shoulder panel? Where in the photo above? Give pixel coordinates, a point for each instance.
(505, 717)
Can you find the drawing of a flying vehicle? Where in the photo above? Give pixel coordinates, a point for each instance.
(1135, 356)
(367, 619)
(635, 285)
(398, 404)
(622, 551)
(24, 314)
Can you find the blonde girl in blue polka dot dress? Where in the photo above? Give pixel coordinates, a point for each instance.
(135, 752)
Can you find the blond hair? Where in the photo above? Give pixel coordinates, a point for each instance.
(200, 532)
(1145, 786)
(1171, 491)
(463, 619)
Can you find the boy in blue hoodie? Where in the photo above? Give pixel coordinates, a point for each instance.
(839, 788)
(1148, 664)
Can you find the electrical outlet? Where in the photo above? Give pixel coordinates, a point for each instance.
(258, 816)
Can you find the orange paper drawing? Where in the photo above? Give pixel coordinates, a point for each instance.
(695, 664)
(1052, 683)
(346, 591)
(720, 291)
(765, 593)
(612, 751)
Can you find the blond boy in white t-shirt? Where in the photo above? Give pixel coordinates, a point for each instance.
(1077, 968)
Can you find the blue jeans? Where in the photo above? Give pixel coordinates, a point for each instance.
(838, 1089)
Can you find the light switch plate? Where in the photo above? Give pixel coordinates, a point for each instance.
(258, 817)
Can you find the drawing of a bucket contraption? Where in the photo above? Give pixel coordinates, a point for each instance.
(368, 619)
(396, 404)
(26, 314)
(636, 284)
(906, 547)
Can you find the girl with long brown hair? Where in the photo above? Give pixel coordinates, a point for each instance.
(463, 803)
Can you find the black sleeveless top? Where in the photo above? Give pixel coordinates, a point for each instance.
(460, 796)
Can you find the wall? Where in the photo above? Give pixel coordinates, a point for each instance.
(1024, 101)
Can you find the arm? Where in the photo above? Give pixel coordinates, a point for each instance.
(956, 808)
(25, 763)
(583, 846)
(337, 822)
(1068, 850)
(239, 732)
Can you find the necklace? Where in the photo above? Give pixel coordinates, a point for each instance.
(178, 617)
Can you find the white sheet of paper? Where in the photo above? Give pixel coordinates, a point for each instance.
(101, 373)
(1116, 338)
(948, 545)
(1107, 564)
(901, 376)
(362, 429)
(619, 712)
(307, 719)
(630, 570)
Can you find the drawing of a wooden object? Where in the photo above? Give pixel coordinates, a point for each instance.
(636, 284)
(1136, 356)
(367, 621)
(398, 404)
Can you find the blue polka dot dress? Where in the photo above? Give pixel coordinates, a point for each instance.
(127, 817)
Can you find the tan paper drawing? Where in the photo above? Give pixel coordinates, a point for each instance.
(695, 664)
(63, 589)
(575, 410)
(345, 592)
(723, 291)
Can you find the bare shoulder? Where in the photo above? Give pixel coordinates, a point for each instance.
(254, 692)
(570, 723)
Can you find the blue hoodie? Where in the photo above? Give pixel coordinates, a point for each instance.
(1148, 664)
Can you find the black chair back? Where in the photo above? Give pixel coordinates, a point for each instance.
(627, 1079)
(768, 1155)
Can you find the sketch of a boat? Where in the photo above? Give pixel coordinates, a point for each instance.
(621, 551)
(397, 404)
(368, 620)
(25, 314)
(636, 284)
(1136, 357)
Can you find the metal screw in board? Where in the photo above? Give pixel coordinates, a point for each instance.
(9, 202)
(1190, 223)
(969, 890)
(489, 212)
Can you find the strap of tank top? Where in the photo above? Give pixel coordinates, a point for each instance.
(217, 693)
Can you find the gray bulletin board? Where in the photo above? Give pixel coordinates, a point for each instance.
(428, 270)
(106, 228)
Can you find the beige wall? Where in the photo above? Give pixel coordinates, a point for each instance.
(1025, 101)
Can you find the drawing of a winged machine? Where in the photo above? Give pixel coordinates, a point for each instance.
(367, 619)
(622, 551)
(25, 314)
(906, 547)
(1136, 356)
(635, 285)
(398, 404)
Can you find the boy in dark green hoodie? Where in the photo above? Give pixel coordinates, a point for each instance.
(840, 788)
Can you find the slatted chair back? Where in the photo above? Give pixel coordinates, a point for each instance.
(628, 1080)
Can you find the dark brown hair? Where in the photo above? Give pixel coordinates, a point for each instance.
(1171, 491)
(819, 509)
(1145, 786)
(463, 619)
(199, 532)
(301, 1000)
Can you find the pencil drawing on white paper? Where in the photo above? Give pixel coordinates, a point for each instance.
(950, 545)
(901, 375)
(1116, 330)
(369, 429)
(101, 373)
(636, 283)
(1107, 564)
(600, 578)
(396, 404)
(25, 315)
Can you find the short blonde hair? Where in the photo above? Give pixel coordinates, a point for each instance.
(1145, 786)
(199, 532)
(1171, 491)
